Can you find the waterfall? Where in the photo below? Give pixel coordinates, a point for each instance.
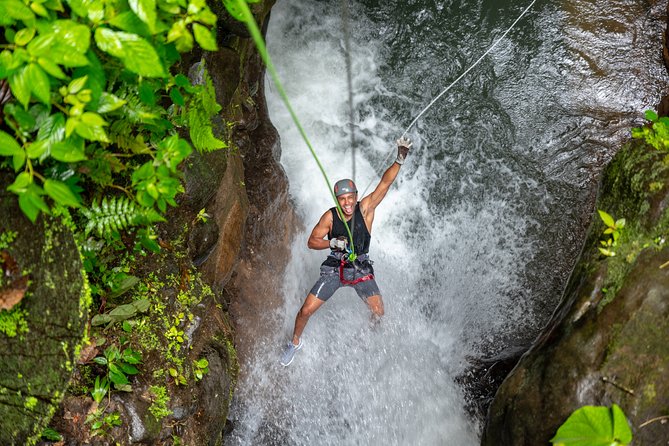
(474, 241)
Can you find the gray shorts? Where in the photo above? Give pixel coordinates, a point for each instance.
(329, 282)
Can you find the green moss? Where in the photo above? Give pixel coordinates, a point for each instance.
(30, 403)
(233, 366)
(159, 399)
(630, 185)
(13, 322)
(7, 238)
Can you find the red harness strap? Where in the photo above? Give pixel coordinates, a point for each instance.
(365, 278)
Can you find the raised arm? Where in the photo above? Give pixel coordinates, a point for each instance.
(371, 201)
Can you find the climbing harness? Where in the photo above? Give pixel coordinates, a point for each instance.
(342, 264)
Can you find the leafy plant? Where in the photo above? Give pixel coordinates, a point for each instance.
(594, 426)
(179, 378)
(50, 434)
(116, 214)
(611, 233)
(119, 365)
(102, 423)
(657, 134)
(100, 389)
(200, 368)
(160, 399)
(202, 216)
(96, 101)
(121, 313)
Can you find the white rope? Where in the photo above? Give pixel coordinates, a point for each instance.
(457, 80)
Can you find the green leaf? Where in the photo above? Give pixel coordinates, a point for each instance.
(16, 10)
(39, 83)
(116, 375)
(621, 429)
(31, 203)
(51, 67)
(126, 284)
(37, 149)
(71, 34)
(23, 36)
(142, 305)
(146, 11)
(204, 37)
(205, 16)
(76, 85)
(89, 126)
(52, 129)
(620, 223)
(63, 41)
(177, 97)
(123, 312)
(137, 54)
(61, 193)
(101, 319)
(8, 145)
(67, 152)
(24, 119)
(181, 37)
(131, 356)
(129, 22)
(651, 115)
(100, 360)
(20, 86)
(606, 218)
(182, 81)
(607, 252)
(21, 183)
(128, 369)
(109, 102)
(594, 426)
(18, 160)
(51, 435)
(39, 9)
(235, 10)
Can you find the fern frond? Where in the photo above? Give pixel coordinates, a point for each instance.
(202, 108)
(116, 214)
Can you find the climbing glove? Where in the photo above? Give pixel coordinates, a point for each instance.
(339, 243)
(403, 146)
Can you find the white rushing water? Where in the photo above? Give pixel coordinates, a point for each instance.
(450, 242)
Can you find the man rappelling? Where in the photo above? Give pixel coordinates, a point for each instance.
(348, 263)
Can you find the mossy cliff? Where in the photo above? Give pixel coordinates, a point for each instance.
(45, 299)
(608, 341)
(210, 245)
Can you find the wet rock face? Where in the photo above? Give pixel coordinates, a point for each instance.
(608, 341)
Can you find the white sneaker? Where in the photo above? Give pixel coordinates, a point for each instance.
(289, 353)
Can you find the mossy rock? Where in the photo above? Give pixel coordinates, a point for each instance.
(608, 341)
(38, 357)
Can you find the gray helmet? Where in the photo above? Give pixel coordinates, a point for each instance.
(344, 186)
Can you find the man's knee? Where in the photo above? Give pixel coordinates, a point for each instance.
(311, 304)
(305, 312)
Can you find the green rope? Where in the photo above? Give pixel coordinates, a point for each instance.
(252, 26)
